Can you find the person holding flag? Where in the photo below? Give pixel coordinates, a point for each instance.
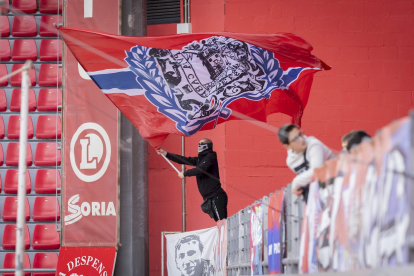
(208, 178)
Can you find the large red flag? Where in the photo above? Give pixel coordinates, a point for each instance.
(189, 82)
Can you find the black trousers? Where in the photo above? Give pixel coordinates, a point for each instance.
(219, 205)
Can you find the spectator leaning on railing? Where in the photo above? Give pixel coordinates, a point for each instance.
(304, 155)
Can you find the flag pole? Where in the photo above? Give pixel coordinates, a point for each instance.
(183, 187)
(21, 191)
(169, 162)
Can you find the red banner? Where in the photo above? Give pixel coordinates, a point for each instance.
(86, 261)
(91, 140)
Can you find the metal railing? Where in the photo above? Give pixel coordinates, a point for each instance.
(238, 236)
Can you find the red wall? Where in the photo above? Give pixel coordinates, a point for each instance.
(370, 46)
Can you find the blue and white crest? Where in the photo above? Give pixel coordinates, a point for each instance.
(194, 86)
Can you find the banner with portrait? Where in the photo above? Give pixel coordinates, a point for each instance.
(192, 253)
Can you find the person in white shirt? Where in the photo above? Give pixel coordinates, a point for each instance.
(304, 155)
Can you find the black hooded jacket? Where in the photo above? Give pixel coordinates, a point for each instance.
(205, 162)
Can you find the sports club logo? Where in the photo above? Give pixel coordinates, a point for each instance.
(87, 209)
(194, 86)
(90, 152)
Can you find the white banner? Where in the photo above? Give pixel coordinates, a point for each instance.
(192, 253)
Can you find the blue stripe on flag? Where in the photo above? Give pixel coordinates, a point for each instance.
(121, 80)
(291, 75)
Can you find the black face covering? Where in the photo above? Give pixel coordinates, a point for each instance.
(203, 147)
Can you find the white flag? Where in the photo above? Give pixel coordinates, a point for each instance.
(192, 253)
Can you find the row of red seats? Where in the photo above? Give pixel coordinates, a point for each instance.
(41, 260)
(48, 100)
(49, 75)
(45, 208)
(24, 49)
(47, 154)
(26, 25)
(45, 236)
(46, 181)
(48, 127)
(30, 6)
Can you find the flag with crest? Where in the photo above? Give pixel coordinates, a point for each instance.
(185, 83)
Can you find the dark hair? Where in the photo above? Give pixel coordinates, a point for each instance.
(346, 137)
(188, 239)
(283, 133)
(356, 138)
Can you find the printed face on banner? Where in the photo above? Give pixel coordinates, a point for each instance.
(191, 253)
(90, 152)
(188, 255)
(194, 86)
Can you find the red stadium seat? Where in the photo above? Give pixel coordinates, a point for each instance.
(46, 27)
(4, 26)
(10, 209)
(3, 100)
(49, 99)
(46, 208)
(16, 80)
(11, 181)
(4, 50)
(24, 6)
(50, 6)
(48, 127)
(24, 49)
(45, 260)
(1, 128)
(16, 100)
(3, 72)
(45, 236)
(47, 154)
(50, 50)
(9, 237)
(47, 181)
(10, 262)
(12, 154)
(13, 127)
(5, 7)
(50, 75)
(24, 26)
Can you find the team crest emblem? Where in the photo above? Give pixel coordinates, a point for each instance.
(194, 86)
